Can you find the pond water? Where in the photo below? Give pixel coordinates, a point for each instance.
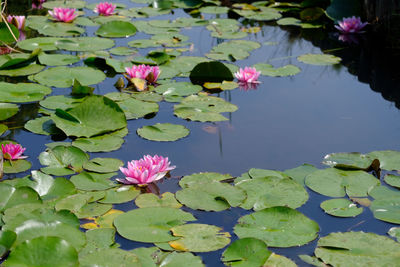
(285, 122)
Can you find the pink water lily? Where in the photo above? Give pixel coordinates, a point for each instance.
(105, 9)
(63, 14)
(17, 21)
(144, 72)
(12, 151)
(146, 170)
(247, 75)
(351, 25)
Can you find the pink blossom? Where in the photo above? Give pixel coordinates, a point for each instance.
(144, 72)
(63, 14)
(12, 151)
(17, 21)
(105, 8)
(146, 170)
(351, 25)
(247, 75)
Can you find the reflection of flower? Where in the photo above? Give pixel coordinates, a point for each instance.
(145, 72)
(12, 151)
(146, 170)
(37, 4)
(247, 86)
(350, 25)
(17, 21)
(348, 38)
(105, 8)
(63, 14)
(247, 75)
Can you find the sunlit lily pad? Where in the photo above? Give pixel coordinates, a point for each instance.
(84, 43)
(135, 109)
(249, 252)
(121, 194)
(64, 157)
(116, 29)
(269, 70)
(178, 89)
(101, 143)
(3, 129)
(42, 125)
(151, 200)
(349, 161)
(91, 181)
(147, 96)
(319, 59)
(49, 188)
(389, 159)
(16, 166)
(27, 92)
(395, 232)
(278, 227)
(392, 180)
(233, 50)
(148, 227)
(60, 29)
(67, 3)
(24, 71)
(57, 59)
(7, 110)
(7, 239)
(44, 43)
(214, 9)
(103, 165)
(61, 102)
(176, 259)
(122, 51)
(341, 207)
(199, 237)
(299, 173)
(289, 21)
(11, 196)
(387, 209)
(108, 257)
(264, 14)
(202, 178)
(163, 132)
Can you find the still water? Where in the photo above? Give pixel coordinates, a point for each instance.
(282, 124)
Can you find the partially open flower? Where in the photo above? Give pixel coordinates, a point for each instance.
(146, 170)
(12, 151)
(351, 25)
(63, 14)
(105, 9)
(17, 21)
(247, 75)
(144, 72)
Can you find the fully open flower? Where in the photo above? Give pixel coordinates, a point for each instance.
(12, 151)
(144, 72)
(63, 14)
(247, 75)
(351, 25)
(17, 21)
(146, 170)
(105, 9)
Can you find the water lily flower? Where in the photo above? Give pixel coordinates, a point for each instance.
(12, 151)
(17, 21)
(105, 9)
(247, 75)
(144, 72)
(146, 170)
(350, 25)
(63, 14)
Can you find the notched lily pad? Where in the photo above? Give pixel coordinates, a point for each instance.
(341, 207)
(163, 132)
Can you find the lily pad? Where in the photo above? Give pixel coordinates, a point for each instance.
(150, 228)
(135, 109)
(319, 59)
(22, 92)
(213, 71)
(299, 173)
(389, 159)
(122, 51)
(11, 196)
(24, 71)
(116, 29)
(341, 207)
(250, 252)
(101, 143)
(269, 70)
(108, 257)
(64, 157)
(355, 161)
(387, 209)
(65, 3)
(44, 43)
(395, 232)
(16, 166)
(7, 110)
(199, 237)
(392, 180)
(121, 194)
(84, 44)
(163, 132)
(49, 188)
(178, 89)
(57, 59)
(151, 200)
(91, 181)
(278, 227)
(103, 165)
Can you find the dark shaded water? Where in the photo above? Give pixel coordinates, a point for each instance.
(284, 123)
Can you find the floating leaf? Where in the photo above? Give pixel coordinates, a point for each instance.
(121, 194)
(122, 51)
(5, 34)
(65, 3)
(22, 92)
(7, 110)
(24, 71)
(341, 207)
(276, 260)
(151, 200)
(101, 143)
(44, 43)
(176, 259)
(58, 59)
(148, 227)
(319, 59)
(299, 173)
(49, 188)
(64, 157)
(199, 237)
(213, 71)
(7, 239)
(103, 165)
(116, 29)
(84, 44)
(16, 166)
(163, 132)
(353, 160)
(392, 180)
(278, 227)
(135, 109)
(178, 89)
(339, 9)
(90, 181)
(395, 232)
(389, 159)
(249, 252)
(387, 209)
(233, 50)
(11, 196)
(269, 70)
(108, 257)
(296, 22)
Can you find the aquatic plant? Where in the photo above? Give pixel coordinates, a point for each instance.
(63, 14)
(351, 25)
(13, 151)
(38, 4)
(105, 9)
(17, 21)
(146, 170)
(247, 75)
(144, 72)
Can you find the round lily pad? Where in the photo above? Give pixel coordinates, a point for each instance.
(278, 227)
(249, 252)
(101, 143)
(213, 71)
(348, 160)
(116, 29)
(387, 209)
(16, 166)
(103, 165)
(269, 70)
(7, 110)
(392, 180)
(178, 89)
(84, 44)
(121, 194)
(134, 108)
(65, 3)
(57, 59)
(341, 207)
(389, 159)
(319, 59)
(163, 132)
(22, 92)
(151, 200)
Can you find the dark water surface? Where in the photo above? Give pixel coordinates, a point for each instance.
(284, 123)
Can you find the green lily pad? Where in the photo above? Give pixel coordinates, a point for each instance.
(176, 259)
(389, 159)
(202, 178)
(94, 116)
(276, 260)
(22, 92)
(135, 109)
(61, 102)
(214, 9)
(278, 227)
(387, 209)
(289, 21)
(64, 157)
(197, 237)
(103, 165)
(101, 143)
(7, 110)
(147, 96)
(213, 71)
(42, 125)
(203, 108)
(3, 129)
(337, 183)
(264, 14)
(11, 196)
(7, 239)
(5, 34)
(43, 252)
(44, 43)
(163, 132)
(178, 89)
(269, 70)
(108, 257)
(49, 188)
(395, 232)
(59, 29)
(58, 59)
(355, 161)
(150, 228)
(299, 173)
(233, 50)
(79, 4)
(339, 9)
(16, 166)
(121, 194)
(84, 44)
(341, 207)
(116, 29)
(90, 181)
(319, 59)
(65, 76)
(151, 200)
(122, 51)
(250, 252)
(24, 71)
(392, 180)
(357, 249)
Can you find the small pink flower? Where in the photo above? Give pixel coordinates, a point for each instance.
(146, 170)
(63, 14)
(105, 9)
(17, 21)
(12, 151)
(351, 25)
(144, 72)
(247, 75)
